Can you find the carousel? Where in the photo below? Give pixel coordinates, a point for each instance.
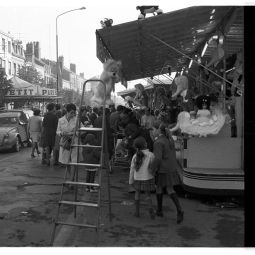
(206, 54)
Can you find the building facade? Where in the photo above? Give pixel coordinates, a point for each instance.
(12, 54)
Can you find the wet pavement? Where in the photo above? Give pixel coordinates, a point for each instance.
(29, 193)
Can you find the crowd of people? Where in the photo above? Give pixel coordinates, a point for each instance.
(143, 139)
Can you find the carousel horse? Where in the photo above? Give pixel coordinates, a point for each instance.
(182, 86)
(111, 74)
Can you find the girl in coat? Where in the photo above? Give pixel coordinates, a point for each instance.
(141, 174)
(165, 165)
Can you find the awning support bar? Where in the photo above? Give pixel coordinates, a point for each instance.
(168, 45)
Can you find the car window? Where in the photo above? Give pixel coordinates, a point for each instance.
(13, 120)
(4, 121)
(8, 120)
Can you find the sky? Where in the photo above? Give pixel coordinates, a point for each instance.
(35, 20)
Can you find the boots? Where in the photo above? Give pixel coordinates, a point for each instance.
(159, 204)
(137, 208)
(180, 212)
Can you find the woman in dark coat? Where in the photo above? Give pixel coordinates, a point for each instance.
(166, 170)
(50, 123)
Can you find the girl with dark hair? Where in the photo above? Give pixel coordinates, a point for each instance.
(141, 174)
(166, 170)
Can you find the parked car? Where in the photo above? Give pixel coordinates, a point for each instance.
(13, 130)
(28, 112)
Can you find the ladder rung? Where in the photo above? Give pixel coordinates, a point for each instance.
(90, 129)
(78, 203)
(84, 164)
(83, 146)
(81, 183)
(75, 224)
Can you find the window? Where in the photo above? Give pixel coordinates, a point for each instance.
(9, 46)
(14, 69)
(9, 68)
(18, 69)
(15, 49)
(0, 63)
(3, 64)
(3, 44)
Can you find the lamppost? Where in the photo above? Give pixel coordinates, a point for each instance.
(82, 8)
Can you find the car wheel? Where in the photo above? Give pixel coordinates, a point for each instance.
(16, 146)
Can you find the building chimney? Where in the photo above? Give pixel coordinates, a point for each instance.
(29, 49)
(73, 67)
(82, 75)
(37, 50)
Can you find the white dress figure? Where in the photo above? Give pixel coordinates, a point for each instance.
(206, 122)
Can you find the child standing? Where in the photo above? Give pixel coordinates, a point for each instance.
(90, 156)
(141, 174)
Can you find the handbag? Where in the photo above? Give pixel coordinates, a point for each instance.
(65, 142)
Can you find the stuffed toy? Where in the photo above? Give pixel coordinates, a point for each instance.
(216, 57)
(141, 97)
(130, 101)
(182, 86)
(106, 22)
(160, 99)
(145, 9)
(111, 74)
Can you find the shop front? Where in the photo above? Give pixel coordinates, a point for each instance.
(26, 95)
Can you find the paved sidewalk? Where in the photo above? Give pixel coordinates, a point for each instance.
(203, 226)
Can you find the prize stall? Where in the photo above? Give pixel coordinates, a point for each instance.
(203, 45)
(27, 95)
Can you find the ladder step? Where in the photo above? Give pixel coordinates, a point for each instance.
(90, 129)
(75, 224)
(78, 203)
(84, 164)
(83, 146)
(81, 183)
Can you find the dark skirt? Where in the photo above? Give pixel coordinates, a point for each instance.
(167, 179)
(148, 185)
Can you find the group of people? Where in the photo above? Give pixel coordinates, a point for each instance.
(144, 137)
(147, 140)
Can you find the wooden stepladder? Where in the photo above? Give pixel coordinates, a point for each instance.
(76, 183)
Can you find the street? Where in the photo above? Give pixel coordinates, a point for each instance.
(29, 193)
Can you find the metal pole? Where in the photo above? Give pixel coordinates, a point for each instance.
(224, 83)
(57, 63)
